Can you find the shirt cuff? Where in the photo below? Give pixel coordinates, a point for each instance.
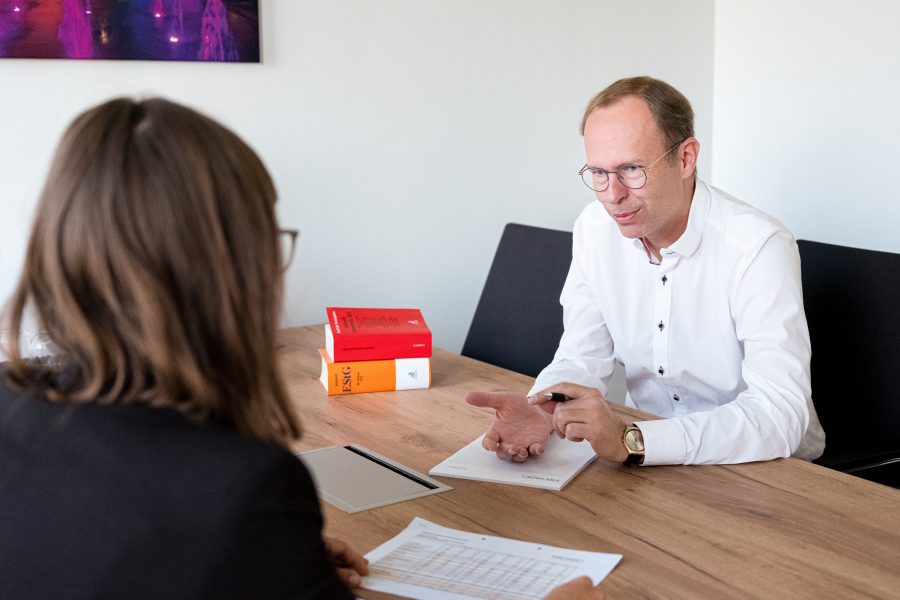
(663, 442)
(544, 381)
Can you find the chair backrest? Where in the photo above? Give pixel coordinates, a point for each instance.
(852, 302)
(518, 321)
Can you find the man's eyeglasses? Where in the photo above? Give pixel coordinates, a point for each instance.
(287, 239)
(631, 176)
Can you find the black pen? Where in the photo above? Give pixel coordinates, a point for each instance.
(556, 397)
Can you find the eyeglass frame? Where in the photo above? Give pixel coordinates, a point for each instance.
(621, 178)
(294, 234)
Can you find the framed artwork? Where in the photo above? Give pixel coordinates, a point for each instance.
(193, 30)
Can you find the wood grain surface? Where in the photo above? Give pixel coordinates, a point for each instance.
(778, 529)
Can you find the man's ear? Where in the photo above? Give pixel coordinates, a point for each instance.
(690, 150)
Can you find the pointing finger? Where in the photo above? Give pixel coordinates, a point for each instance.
(485, 399)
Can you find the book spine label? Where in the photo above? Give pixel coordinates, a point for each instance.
(412, 373)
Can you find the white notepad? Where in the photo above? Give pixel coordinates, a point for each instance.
(561, 461)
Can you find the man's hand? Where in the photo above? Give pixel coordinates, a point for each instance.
(349, 563)
(586, 416)
(577, 589)
(518, 430)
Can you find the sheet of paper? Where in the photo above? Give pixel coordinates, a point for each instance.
(426, 560)
(561, 461)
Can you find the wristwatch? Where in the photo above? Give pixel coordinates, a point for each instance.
(634, 443)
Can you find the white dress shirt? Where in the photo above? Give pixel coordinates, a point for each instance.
(713, 339)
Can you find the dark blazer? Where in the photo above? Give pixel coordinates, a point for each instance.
(138, 502)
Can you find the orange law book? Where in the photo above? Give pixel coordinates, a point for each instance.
(358, 376)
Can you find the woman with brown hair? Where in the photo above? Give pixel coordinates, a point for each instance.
(149, 458)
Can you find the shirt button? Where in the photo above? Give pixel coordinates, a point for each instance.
(661, 371)
(664, 279)
(661, 326)
(676, 398)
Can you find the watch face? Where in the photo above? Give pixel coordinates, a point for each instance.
(632, 441)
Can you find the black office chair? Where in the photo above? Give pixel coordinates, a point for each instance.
(852, 302)
(518, 321)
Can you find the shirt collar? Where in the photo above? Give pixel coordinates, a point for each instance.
(689, 241)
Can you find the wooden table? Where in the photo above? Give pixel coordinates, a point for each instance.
(779, 529)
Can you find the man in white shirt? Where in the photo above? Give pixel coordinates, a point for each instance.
(697, 294)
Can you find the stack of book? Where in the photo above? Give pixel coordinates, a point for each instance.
(375, 350)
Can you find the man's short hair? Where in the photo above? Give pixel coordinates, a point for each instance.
(670, 109)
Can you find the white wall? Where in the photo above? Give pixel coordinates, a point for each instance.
(402, 134)
(807, 115)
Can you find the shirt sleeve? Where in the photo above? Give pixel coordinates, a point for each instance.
(769, 418)
(585, 354)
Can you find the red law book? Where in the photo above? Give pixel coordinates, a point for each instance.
(376, 333)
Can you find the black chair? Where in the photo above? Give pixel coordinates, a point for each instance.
(518, 321)
(852, 302)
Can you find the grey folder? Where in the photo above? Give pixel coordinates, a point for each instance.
(354, 478)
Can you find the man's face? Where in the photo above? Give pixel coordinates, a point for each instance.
(626, 134)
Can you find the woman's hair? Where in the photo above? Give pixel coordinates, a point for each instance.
(154, 267)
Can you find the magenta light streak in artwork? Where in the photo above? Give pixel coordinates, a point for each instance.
(216, 41)
(75, 31)
(177, 12)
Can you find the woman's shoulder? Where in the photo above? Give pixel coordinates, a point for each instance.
(138, 444)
